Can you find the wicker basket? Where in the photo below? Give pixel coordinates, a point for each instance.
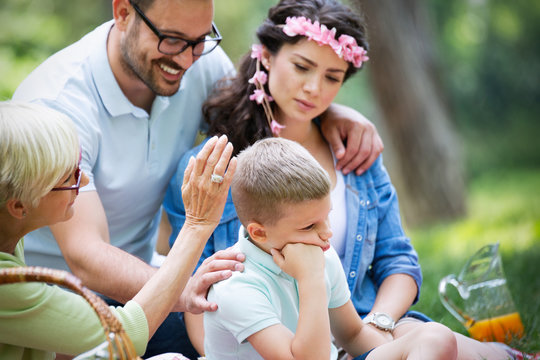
(117, 344)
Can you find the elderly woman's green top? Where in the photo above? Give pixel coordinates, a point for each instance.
(37, 320)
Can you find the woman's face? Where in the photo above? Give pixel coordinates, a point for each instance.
(303, 78)
(57, 206)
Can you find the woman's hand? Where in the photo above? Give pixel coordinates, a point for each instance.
(215, 268)
(341, 124)
(206, 183)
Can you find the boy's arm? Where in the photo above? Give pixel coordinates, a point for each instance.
(312, 338)
(351, 333)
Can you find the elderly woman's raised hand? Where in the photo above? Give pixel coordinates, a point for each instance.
(206, 183)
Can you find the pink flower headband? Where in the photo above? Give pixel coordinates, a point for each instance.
(345, 47)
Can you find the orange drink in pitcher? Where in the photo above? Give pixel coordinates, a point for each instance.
(500, 328)
(483, 302)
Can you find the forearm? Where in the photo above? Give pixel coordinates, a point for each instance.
(365, 339)
(395, 295)
(95, 265)
(312, 339)
(162, 291)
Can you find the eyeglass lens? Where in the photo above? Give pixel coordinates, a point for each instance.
(174, 45)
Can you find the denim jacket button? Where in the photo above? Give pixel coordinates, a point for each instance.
(359, 237)
(362, 203)
(352, 274)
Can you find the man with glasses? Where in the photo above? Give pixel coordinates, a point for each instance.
(127, 87)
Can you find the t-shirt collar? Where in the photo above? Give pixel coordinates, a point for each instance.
(110, 92)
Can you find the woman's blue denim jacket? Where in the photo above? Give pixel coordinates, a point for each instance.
(376, 245)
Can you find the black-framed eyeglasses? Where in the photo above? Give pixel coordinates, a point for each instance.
(77, 184)
(174, 45)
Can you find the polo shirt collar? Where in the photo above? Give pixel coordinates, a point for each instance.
(109, 91)
(256, 255)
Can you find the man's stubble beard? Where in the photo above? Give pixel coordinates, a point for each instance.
(134, 65)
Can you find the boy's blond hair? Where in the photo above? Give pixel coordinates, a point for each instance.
(38, 146)
(273, 172)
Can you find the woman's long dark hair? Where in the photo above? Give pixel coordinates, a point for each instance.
(229, 111)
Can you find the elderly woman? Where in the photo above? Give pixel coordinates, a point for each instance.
(39, 182)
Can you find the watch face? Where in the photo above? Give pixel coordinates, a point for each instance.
(383, 320)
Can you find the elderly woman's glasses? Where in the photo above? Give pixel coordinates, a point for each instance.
(174, 45)
(77, 176)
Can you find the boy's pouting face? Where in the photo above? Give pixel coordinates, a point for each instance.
(305, 222)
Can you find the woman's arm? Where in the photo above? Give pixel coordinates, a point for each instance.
(395, 262)
(204, 202)
(351, 333)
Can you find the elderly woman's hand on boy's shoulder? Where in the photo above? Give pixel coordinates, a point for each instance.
(215, 268)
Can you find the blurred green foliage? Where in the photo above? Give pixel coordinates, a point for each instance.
(32, 30)
(490, 60)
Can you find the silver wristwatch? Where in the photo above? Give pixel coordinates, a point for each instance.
(381, 321)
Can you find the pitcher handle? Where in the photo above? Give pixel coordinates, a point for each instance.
(449, 304)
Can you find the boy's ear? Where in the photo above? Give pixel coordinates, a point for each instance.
(256, 232)
(16, 208)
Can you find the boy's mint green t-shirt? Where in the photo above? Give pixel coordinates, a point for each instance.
(260, 296)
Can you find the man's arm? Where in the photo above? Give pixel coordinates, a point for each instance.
(85, 245)
(342, 125)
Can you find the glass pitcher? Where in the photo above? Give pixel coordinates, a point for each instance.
(484, 305)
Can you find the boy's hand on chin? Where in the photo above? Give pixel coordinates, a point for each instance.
(300, 260)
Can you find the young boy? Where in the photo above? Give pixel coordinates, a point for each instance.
(293, 294)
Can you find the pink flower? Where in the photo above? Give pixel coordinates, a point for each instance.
(276, 127)
(327, 36)
(260, 77)
(313, 31)
(258, 96)
(295, 25)
(347, 41)
(359, 55)
(256, 51)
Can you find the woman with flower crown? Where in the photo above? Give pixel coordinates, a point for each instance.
(307, 50)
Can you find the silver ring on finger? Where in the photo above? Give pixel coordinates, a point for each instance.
(218, 179)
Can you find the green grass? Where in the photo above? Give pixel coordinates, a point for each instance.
(503, 207)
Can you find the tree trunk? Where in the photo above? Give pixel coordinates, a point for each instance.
(427, 166)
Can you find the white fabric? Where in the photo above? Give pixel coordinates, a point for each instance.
(338, 215)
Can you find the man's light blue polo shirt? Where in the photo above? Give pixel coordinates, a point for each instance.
(128, 154)
(261, 296)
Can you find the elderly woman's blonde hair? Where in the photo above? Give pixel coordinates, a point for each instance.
(273, 172)
(38, 147)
